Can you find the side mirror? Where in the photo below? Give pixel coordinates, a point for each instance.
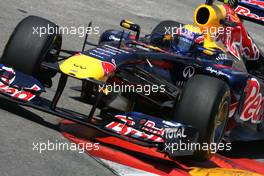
(131, 26)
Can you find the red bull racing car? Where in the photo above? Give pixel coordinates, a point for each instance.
(181, 83)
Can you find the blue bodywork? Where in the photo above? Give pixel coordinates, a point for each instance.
(217, 64)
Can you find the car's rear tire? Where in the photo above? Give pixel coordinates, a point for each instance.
(204, 105)
(26, 49)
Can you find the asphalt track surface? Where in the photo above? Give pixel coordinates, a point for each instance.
(21, 127)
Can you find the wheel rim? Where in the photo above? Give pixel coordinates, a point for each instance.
(220, 121)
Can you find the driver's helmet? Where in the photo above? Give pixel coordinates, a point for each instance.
(185, 39)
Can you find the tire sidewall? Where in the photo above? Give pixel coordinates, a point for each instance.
(16, 53)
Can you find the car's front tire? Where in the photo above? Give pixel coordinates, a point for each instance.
(26, 49)
(204, 105)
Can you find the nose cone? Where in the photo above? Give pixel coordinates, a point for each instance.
(82, 66)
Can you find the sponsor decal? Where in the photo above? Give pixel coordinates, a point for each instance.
(96, 55)
(105, 51)
(150, 127)
(255, 2)
(241, 44)
(101, 52)
(247, 13)
(221, 57)
(216, 72)
(254, 103)
(114, 38)
(123, 129)
(80, 66)
(19, 94)
(13, 92)
(9, 70)
(174, 133)
(114, 49)
(237, 41)
(188, 72)
(171, 124)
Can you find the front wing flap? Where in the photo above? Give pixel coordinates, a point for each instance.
(150, 129)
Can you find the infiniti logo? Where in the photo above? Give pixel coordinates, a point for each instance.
(188, 72)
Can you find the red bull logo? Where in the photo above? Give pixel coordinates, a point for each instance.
(255, 2)
(13, 92)
(123, 129)
(254, 104)
(19, 94)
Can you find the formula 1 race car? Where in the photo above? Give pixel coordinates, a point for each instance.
(181, 83)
